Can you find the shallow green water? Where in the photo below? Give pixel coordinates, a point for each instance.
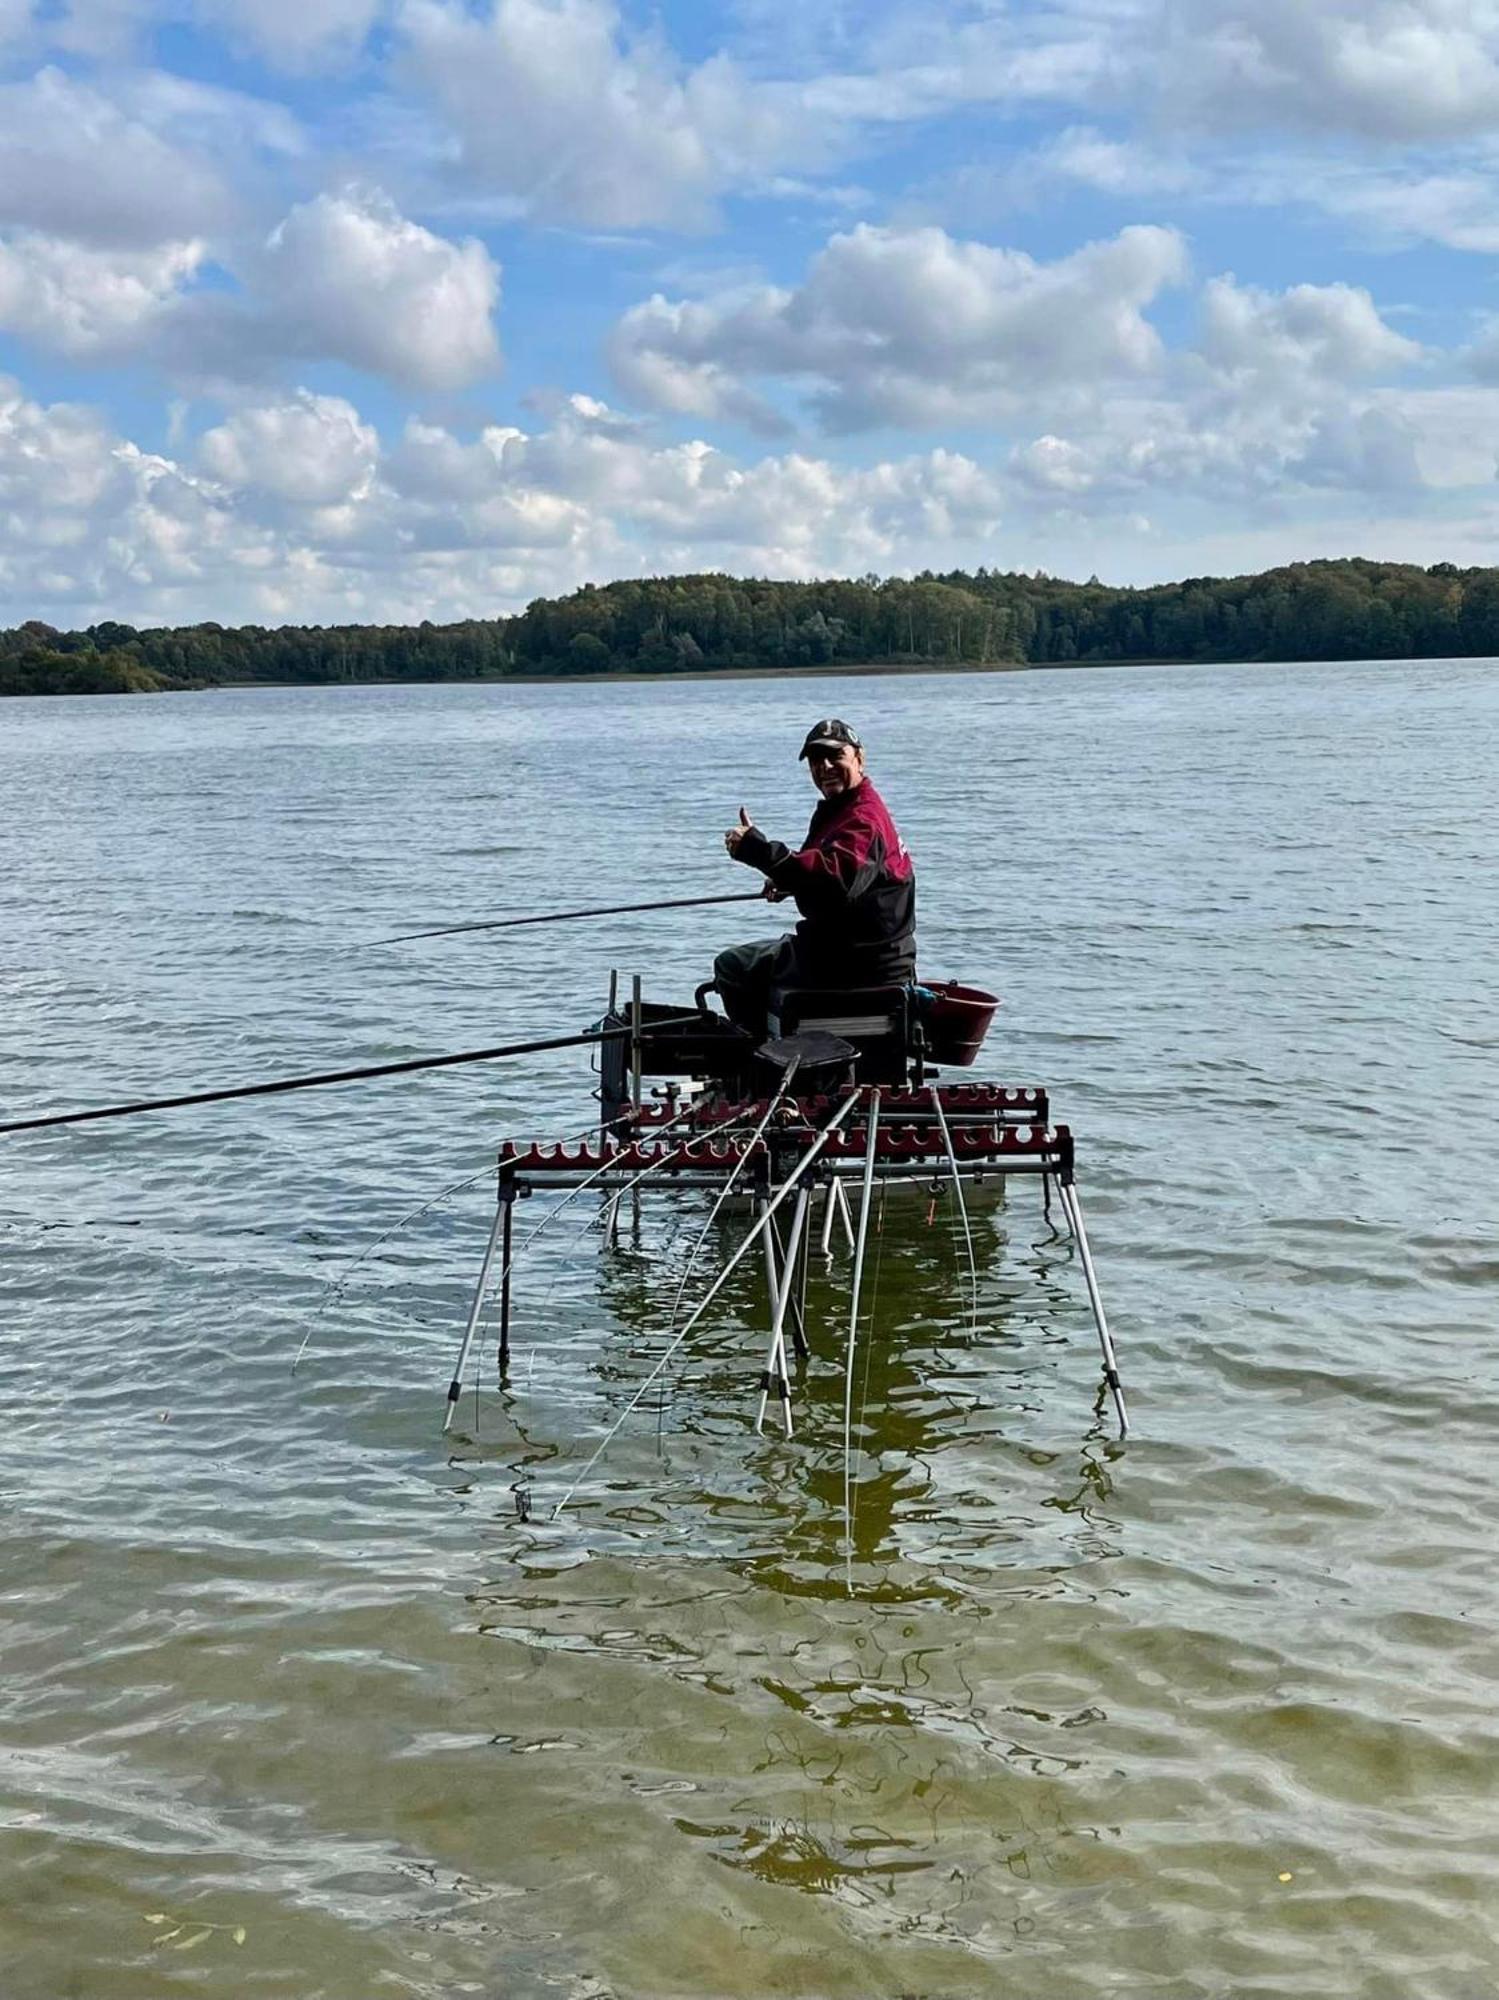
(1213, 1714)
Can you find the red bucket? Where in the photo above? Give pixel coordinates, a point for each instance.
(957, 1019)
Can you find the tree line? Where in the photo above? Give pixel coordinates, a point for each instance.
(1350, 609)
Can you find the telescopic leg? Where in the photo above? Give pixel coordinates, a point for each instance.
(455, 1387)
(799, 1296)
(770, 1239)
(775, 1376)
(1073, 1207)
(507, 1207)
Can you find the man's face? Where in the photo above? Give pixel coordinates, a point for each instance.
(836, 771)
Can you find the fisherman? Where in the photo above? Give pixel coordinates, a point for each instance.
(851, 879)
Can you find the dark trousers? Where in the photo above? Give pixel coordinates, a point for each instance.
(745, 975)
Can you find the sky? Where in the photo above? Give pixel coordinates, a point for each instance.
(316, 311)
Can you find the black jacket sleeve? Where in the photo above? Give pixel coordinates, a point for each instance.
(756, 851)
(827, 874)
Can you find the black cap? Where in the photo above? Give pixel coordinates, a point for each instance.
(830, 734)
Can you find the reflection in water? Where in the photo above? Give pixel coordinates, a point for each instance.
(877, 1738)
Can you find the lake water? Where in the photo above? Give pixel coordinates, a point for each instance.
(296, 1706)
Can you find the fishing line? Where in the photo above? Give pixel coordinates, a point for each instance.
(745, 1247)
(504, 1209)
(723, 1195)
(337, 1286)
(728, 1187)
(656, 1166)
(411, 1215)
(592, 1221)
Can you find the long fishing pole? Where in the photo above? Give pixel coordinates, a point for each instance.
(342, 1076)
(572, 916)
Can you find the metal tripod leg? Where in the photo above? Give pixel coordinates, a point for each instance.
(793, 1256)
(771, 1241)
(455, 1387)
(799, 1296)
(507, 1205)
(1068, 1191)
(775, 1376)
(845, 1211)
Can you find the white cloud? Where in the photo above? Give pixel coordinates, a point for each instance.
(1279, 400)
(230, 126)
(292, 35)
(107, 30)
(652, 504)
(82, 302)
(1481, 358)
(348, 276)
(313, 451)
(1453, 433)
(293, 510)
(909, 326)
(1203, 454)
(1458, 208)
(297, 34)
(73, 163)
(1272, 104)
(1316, 330)
(1369, 69)
(345, 277)
(1377, 69)
(1113, 166)
(556, 104)
(88, 521)
(549, 102)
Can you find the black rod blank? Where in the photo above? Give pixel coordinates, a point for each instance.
(571, 916)
(336, 1076)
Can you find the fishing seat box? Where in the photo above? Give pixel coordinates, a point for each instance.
(877, 1020)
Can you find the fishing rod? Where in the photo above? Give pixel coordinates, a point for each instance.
(572, 916)
(343, 1076)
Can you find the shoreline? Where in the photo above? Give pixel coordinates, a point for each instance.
(697, 675)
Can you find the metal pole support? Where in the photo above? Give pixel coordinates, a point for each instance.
(455, 1387)
(774, 1376)
(1068, 1190)
(507, 1207)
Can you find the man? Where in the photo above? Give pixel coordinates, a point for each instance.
(851, 879)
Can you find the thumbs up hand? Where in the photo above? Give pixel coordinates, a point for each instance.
(735, 834)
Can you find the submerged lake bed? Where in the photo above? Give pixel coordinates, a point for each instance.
(302, 1700)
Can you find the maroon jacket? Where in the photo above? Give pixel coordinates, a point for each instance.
(855, 886)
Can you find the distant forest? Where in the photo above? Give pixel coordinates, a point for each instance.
(698, 624)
